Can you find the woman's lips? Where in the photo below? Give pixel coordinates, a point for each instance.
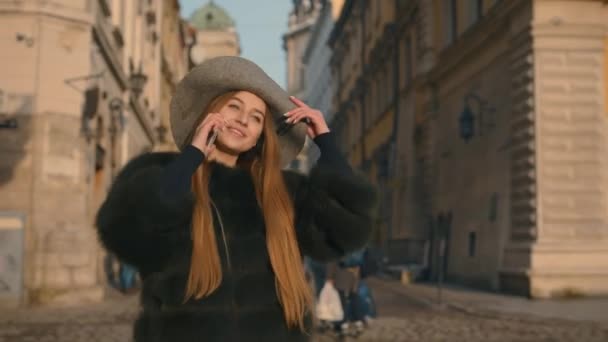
(237, 132)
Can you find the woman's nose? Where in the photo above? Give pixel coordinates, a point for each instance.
(242, 119)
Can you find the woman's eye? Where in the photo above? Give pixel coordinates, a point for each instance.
(233, 106)
(257, 118)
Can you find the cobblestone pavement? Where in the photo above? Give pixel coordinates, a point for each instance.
(102, 322)
(400, 320)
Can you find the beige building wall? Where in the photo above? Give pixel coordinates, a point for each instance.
(44, 158)
(55, 166)
(174, 49)
(364, 76)
(214, 33)
(524, 198)
(526, 193)
(560, 243)
(218, 43)
(472, 180)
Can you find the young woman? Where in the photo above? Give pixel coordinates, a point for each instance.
(218, 231)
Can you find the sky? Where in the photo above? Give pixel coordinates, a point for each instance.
(260, 24)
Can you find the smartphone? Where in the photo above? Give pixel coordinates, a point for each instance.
(212, 138)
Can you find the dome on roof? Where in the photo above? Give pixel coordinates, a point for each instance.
(211, 17)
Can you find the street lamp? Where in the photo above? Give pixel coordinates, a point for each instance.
(89, 111)
(137, 79)
(468, 121)
(116, 106)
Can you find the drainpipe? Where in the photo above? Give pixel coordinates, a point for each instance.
(361, 78)
(392, 171)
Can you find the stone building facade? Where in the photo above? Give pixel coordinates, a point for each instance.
(302, 18)
(497, 173)
(176, 40)
(80, 93)
(317, 73)
(210, 32)
(363, 66)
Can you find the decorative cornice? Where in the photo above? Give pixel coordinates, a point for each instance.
(467, 44)
(48, 8)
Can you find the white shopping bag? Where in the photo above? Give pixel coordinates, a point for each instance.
(329, 306)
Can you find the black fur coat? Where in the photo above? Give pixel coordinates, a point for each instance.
(334, 216)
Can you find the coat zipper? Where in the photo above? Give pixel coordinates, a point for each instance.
(219, 218)
(227, 250)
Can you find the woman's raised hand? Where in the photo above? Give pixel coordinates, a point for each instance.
(315, 119)
(212, 122)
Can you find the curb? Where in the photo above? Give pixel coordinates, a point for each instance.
(471, 310)
(455, 306)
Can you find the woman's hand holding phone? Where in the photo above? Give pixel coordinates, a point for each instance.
(204, 136)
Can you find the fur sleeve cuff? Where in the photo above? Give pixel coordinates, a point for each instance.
(335, 213)
(136, 223)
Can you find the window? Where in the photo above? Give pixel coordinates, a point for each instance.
(407, 68)
(368, 105)
(377, 96)
(451, 21)
(383, 94)
(493, 215)
(383, 165)
(472, 243)
(390, 81)
(475, 11)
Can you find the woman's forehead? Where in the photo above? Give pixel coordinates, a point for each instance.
(250, 99)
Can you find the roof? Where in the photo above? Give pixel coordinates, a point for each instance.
(211, 17)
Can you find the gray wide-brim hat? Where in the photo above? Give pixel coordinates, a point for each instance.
(219, 75)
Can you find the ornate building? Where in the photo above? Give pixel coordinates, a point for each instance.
(316, 73)
(363, 69)
(496, 174)
(80, 95)
(209, 33)
(302, 17)
(215, 34)
(176, 39)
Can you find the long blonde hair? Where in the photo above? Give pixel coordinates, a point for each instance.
(205, 276)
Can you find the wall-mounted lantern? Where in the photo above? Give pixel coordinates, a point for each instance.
(117, 123)
(472, 123)
(137, 80)
(89, 111)
(467, 123)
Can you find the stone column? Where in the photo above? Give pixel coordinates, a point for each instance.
(559, 231)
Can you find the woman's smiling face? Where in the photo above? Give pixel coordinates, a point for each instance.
(244, 114)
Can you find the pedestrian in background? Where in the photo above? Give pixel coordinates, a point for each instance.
(217, 231)
(345, 276)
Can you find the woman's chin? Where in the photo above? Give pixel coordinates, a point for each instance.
(232, 149)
